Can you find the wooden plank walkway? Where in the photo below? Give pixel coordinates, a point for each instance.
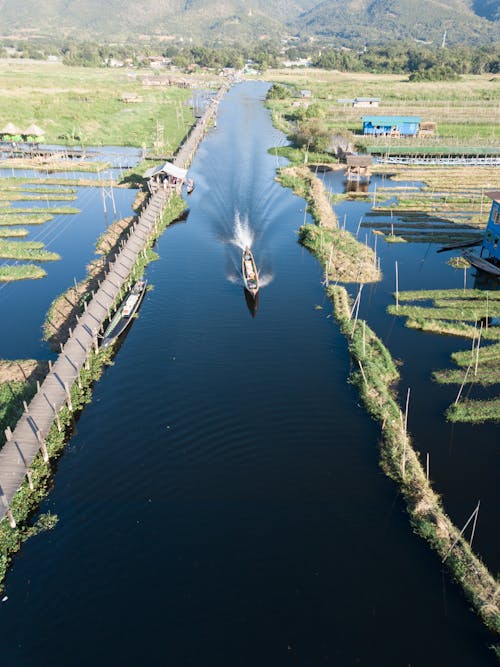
(28, 437)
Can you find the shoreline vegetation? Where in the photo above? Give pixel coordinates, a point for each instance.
(343, 257)
(375, 378)
(19, 383)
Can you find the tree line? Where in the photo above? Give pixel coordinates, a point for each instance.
(419, 61)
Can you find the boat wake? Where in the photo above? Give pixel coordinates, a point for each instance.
(243, 235)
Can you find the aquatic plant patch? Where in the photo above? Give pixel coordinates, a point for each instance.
(11, 232)
(465, 313)
(21, 272)
(24, 219)
(27, 250)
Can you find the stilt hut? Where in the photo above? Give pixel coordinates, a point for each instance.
(10, 133)
(489, 258)
(33, 134)
(167, 177)
(358, 167)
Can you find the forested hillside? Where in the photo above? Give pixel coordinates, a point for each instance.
(345, 22)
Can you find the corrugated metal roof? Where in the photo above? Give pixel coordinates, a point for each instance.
(390, 120)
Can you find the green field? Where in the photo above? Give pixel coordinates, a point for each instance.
(76, 105)
(467, 111)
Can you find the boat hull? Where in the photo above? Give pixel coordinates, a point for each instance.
(124, 314)
(249, 273)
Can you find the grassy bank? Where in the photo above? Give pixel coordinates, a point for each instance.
(343, 258)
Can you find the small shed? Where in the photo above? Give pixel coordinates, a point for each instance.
(491, 241)
(427, 128)
(167, 176)
(366, 102)
(391, 126)
(358, 167)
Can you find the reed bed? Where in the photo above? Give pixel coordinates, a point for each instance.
(27, 250)
(452, 313)
(474, 411)
(21, 272)
(447, 294)
(51, 210)
(36, 196)
(470, 313)
(488, 353)
(485, 374)
(19, 232)
(24, 219)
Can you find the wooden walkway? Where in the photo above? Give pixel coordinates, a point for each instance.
(28, 437)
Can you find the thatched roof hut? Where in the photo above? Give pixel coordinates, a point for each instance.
(33, 131)
(11, 129)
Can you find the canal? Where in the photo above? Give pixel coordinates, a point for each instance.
(221, 501)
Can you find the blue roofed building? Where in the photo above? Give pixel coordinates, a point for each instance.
(391, 126)
(491, 241)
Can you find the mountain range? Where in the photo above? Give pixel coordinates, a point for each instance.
(336, 22)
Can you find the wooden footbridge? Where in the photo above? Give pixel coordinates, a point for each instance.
(30, 433)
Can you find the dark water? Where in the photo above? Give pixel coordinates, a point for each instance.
(221, 502)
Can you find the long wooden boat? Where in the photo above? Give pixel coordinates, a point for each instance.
(249, 272)
(482, 264)
(460, 244)
(125, 313)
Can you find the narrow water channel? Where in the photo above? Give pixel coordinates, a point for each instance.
(221, 502)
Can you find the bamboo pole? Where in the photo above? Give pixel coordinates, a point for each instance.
(475, 522)
(397, 286)
(477, 349)
(474, 513)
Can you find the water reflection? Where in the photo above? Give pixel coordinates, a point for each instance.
(356, 186)
(252, 302)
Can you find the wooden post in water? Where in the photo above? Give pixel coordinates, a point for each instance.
(29, 475)
(463, 383)
(474, 513)
(68, 397)
(364, 338)
(56, 413)
(43, 446)
(477, 349)
(427, 466)
(475, 522)
(359, 226)
(8, 434)
(10, 517)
